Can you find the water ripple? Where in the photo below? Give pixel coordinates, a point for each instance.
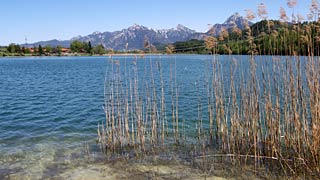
(54, 103)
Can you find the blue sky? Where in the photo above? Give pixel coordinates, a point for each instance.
(63, 19)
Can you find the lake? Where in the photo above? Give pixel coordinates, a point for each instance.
(50, 107)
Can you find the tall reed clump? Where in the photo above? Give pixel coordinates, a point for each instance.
(271, 112)
(268, 115)
(135, 106)
(258, 110)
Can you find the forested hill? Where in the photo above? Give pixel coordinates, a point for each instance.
(267, 37)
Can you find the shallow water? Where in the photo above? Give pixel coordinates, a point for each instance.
(50, 108)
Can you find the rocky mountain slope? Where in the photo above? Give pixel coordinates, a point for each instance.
(136, 34)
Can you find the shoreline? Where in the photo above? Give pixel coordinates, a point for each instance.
(86, 55)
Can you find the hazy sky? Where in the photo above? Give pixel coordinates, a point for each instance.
(63, 19)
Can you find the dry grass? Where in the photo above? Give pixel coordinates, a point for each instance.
(269, 116)
(265, 112)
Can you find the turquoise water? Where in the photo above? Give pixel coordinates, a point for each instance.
(47, 106)
(50, 107)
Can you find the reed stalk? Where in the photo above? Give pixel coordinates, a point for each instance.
(257, 110)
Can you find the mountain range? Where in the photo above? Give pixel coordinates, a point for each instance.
(135, 35)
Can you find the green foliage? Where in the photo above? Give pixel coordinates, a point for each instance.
(3, 51)
(48, 49)
(193, 46)
(87, 47)
(40, 50)
(81, 47)
(99, 49)
(267, 37)
(58, 50)
(11, 48)
(76, 46)
(14, 48)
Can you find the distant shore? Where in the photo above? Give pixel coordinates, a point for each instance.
(95, 55)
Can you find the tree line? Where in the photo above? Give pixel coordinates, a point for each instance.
(86, 47)
(17, 50)
(76, 47)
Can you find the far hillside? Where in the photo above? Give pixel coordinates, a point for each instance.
(267, 37)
